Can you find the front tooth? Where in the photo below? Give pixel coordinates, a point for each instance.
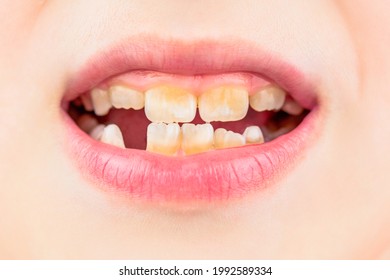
(268, 99)
(124, 97)
(169, 104)
(253, 135)
(227, 139)
(101, 101)
(112, 135)
(197, 138)
(224, 104)
(163, 138)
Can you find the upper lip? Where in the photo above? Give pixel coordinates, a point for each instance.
(191, 57)
(205, 176)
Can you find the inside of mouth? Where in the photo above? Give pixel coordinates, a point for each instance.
(97, 109)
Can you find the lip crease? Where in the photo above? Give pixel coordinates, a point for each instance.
(216, 175)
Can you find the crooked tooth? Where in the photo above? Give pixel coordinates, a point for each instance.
(163, 138)
(197, 138)
(101, 101)
(169, 104)
(268, 99)
(87, 123)
(97, 132)
(227, 139)
(223, 104)
(124, 97)
(253, 135)
(112, 135)
(291, 107)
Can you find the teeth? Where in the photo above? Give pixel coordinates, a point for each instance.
(197, 138)
(163, 138)
(112, 135)
(124, 97)
(227, 139)
(97, 132)
(87, 123)
(268, 99)
(224, 104)
(291, 107)
(169, 104)
(253, 135)
(101, 101)
(87, 102)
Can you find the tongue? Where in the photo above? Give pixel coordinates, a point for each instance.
(133, 124)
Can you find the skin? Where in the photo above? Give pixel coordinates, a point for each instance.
(334, 204)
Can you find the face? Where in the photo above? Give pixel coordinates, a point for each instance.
(100, 156)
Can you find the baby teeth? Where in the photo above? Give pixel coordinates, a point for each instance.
(163, 138)
(87, 102)
(224, 104)
(124, 97)
(291, 107)
(197, 138)
(253, 135)
(97, 132)
(268, 99)
(87, 123)
(169, 104)
(101, 101)
(227, 139)
(112, 135)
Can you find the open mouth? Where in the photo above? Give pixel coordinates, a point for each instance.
(186, 130)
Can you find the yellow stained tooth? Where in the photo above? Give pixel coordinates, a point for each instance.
(267, 99)
(227, 139)
(169, 104)
(197, 138)
(124, 97)
(163, 138)
(223, 104)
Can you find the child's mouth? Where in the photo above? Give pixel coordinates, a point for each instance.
(188, 131)
(184, 115)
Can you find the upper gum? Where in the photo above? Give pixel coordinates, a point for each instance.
(144, 80)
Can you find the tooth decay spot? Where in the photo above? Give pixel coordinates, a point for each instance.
(169, 104)
(224, 104)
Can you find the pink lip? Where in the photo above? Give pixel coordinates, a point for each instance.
(218, 175)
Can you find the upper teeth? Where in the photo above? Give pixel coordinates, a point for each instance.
(124, 97)
(224, 104)
(169, 104)
(267, 99)
(172, 104)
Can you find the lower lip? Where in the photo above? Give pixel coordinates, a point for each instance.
(216, 175)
